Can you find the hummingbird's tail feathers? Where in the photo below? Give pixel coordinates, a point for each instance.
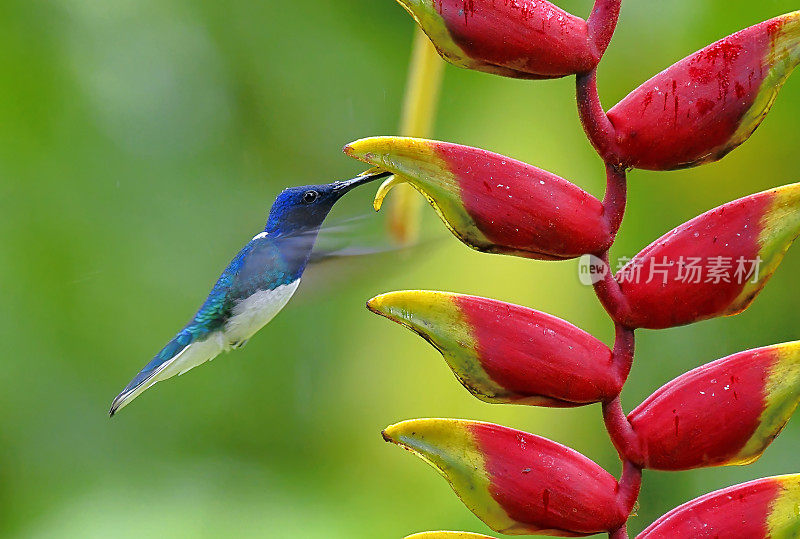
(179, 355)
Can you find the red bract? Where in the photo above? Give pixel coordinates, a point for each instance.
(517, 483)
(762, 508)
(726, 412)
(491, 202)
(706, 105)
(723, 413)
(713, 265)
(506, 353)
(531, 39)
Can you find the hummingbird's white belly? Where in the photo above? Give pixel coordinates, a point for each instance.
(253, 313)
(249, 315)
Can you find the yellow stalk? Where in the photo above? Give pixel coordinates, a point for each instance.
(419, 110)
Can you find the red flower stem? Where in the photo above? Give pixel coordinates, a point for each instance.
(629, 484)
(602, 134)
(595, 122)
(609, 292)
(602, 23)
(619, 429)
(616, 195)
(619, 533)
(624, 344)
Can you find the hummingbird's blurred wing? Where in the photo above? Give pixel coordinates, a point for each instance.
(354, 236)
(356, 258)
(295, 247)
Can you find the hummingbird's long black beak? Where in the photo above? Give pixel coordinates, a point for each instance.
(369, 176)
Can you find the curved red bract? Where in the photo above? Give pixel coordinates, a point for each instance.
(688, 113)
(669, 299)
(533, 38)
(531, 353)
(547, 485)
(706, 416)
(736, 512)
(518, 206)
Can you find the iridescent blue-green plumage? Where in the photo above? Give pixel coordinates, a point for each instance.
(252, 289)
(258, 266)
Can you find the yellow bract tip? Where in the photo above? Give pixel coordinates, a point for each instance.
(783, 520)
(441, 442)
(448, 445)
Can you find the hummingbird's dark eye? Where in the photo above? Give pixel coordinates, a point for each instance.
(310, 196)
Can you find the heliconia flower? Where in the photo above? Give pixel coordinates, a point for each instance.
(764, 508)
(448, 535)
(707, 104)
(504, 353)
(490, 202)
(723, 413)
(517, 483)
(713, 265)
(530, 39)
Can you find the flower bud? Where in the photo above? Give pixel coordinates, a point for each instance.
(709, 103)
(504, 353)
(517, 483)
(490, 202)
(713, 265)
(530, 39)
(723, 413)
(762, 508)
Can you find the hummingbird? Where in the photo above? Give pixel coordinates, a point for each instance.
(255, 286)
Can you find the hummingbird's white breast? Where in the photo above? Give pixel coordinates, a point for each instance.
(249, 315)
(254, 312)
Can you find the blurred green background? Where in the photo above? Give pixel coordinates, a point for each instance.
(141, 144)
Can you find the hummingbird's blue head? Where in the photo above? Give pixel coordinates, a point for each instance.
(303, 209)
